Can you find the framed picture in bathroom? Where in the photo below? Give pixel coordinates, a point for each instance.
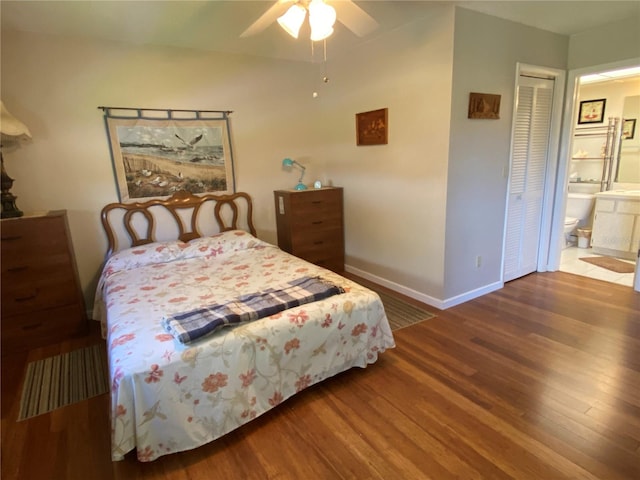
(591, 111)
(628, 128)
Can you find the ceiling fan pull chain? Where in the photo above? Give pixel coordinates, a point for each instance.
(313, 61)
(325, 78)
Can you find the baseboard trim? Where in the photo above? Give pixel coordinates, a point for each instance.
(421, 297)
(396, 287)
(471, 294)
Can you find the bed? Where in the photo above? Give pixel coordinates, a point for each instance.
(168, 396)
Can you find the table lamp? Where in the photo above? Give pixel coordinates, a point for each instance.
(12, 131)
(288, 163)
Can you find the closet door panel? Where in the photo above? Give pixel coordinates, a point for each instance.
(527, 177)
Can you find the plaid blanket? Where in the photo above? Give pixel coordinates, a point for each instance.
(189, 326)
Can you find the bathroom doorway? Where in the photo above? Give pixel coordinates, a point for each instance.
(616, 84)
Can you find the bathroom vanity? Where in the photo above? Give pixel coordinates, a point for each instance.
(616, 224)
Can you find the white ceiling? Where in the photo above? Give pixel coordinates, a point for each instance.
(217, 25)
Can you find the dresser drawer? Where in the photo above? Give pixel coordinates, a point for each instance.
(36, 237)
(332, 260)
(44, 327)
(335, 264)
(316, 238)
(17, 267)
(321, 255)
(310, 224)
(41, 293)
(316, 203)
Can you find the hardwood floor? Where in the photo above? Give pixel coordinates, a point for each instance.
(539, 380)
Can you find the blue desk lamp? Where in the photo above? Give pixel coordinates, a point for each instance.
(288, 163)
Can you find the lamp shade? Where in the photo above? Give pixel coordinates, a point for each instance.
(10, 127)
(292, 20)
(322, 17)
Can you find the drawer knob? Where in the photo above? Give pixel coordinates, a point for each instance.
(318, 242)
(11, 237)
(317, 222)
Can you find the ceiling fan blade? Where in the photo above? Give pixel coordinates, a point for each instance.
(354, 18)
(267, 18)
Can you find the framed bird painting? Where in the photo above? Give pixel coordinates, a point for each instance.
(158, 152)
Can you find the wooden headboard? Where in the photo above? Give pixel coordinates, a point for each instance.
(133, 224)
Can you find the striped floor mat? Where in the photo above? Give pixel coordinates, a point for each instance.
(400, 313)
(68, 378)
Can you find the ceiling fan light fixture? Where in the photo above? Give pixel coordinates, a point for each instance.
(322, 17)
(320, 34)
(292, 19)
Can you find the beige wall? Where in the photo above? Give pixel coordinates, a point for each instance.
(54, 85)
(417, 210)
(394, 194)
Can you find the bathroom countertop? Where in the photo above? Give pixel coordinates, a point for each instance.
(622, 194)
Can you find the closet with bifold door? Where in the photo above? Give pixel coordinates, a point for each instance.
(527, 175)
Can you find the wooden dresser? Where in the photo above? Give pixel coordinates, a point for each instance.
(42, 300)
(311, 225)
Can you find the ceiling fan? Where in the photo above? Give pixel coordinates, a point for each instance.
(346, 12)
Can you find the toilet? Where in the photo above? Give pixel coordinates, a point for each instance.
(578, 213)
(570, 225)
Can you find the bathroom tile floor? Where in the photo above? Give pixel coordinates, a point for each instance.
(570, 263)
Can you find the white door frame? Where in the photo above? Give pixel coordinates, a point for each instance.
(559, 77)
(551, 261)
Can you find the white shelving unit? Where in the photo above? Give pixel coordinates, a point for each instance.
(595, 153)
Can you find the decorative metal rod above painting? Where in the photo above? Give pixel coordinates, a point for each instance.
(153, 113)
(157, 152)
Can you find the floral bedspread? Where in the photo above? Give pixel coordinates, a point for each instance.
(168, 397)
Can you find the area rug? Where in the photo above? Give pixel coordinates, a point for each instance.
(400, 313)
(64, 379)
(609, 263)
